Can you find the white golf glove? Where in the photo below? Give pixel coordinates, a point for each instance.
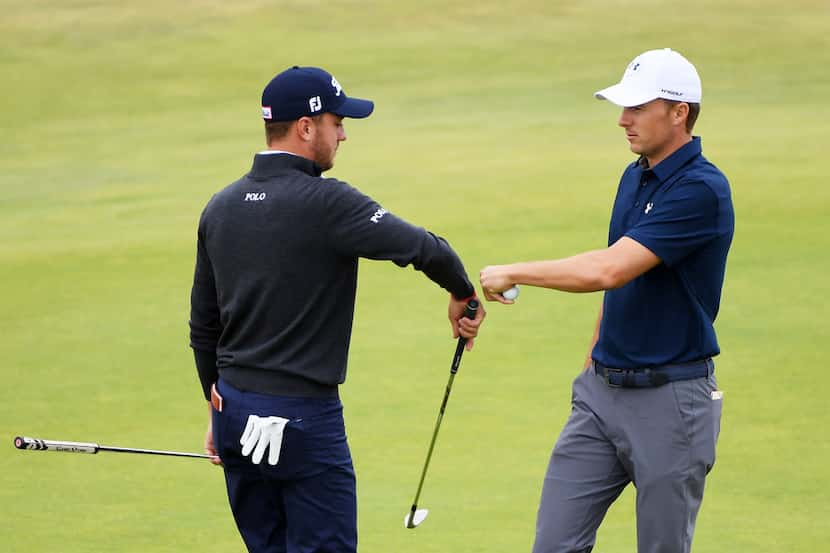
(263, 432)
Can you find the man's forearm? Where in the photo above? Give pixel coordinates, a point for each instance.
(206, 367)
(585, 272)
(591, 271)
(443, 266)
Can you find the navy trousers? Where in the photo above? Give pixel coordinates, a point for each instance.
(306, 503)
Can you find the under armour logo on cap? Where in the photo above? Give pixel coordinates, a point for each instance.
(655, 74)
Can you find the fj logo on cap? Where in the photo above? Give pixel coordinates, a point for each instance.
(649, 205)
(336, 86)
(314, 104)
(266, 112)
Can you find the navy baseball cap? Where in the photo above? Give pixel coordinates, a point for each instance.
(308, 91)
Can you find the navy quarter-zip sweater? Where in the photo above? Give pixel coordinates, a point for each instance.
(276, 274)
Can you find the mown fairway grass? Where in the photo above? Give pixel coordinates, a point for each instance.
(119, 120)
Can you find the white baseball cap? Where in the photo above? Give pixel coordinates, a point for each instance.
(655, 74)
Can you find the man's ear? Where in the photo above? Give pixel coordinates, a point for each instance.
(305, 129)
(680, 113)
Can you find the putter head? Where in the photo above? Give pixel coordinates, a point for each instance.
(414, 518)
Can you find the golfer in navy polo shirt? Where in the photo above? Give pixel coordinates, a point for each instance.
(646, 409)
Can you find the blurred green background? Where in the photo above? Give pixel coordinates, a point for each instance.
(118, 120)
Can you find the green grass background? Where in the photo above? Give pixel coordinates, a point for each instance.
(118, 120)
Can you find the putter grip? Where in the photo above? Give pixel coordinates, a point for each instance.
(25, 442)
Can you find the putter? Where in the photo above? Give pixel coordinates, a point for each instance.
(86, 447)
(416, 516)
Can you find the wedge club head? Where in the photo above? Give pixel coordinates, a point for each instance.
(414, 518)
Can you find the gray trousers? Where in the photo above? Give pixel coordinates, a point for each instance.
(661, 439)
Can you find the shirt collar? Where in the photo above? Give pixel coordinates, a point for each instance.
(276, 163)
(270, 152)
(675, 161)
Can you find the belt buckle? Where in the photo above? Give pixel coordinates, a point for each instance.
(656, 378)
(608, 382)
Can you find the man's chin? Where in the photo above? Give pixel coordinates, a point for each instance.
(324, 164)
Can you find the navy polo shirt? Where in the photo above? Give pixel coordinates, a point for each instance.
(681, 210)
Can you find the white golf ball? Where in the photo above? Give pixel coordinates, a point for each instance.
(511, 293)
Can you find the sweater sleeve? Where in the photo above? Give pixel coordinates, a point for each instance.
(205, 325)
(360, 227)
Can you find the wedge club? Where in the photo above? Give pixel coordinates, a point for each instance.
(416, 516)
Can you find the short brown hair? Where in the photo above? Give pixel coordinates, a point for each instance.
(691, 118)
(275, 130)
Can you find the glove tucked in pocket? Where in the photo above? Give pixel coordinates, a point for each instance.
(261, 433)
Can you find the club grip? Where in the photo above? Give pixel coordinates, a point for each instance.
(24, 442)
(471, 309)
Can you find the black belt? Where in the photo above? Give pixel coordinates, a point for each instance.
(654, 376)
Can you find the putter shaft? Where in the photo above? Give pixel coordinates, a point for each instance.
(37, 444)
